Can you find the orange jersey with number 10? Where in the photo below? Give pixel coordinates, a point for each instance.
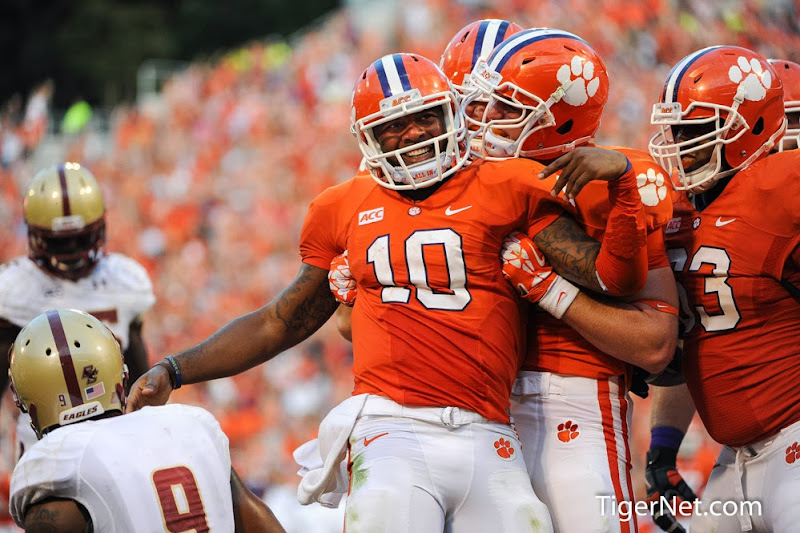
(435, 323)
(740, 355)
(553, 346)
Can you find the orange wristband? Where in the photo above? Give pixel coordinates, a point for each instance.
(659, 306)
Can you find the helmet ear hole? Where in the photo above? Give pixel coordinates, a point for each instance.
(565, 127)
(759, 126)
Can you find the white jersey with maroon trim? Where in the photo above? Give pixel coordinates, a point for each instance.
(116, 292)
(162, 468)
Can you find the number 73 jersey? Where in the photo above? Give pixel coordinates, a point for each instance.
(434, 323)
(741, 324)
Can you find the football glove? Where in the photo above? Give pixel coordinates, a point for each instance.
(341, 281)
(526, 268)
(663, 479)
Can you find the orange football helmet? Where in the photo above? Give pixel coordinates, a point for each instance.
(557, 82)
(472, 42)
(737, 95)
(395, 86)
(789, 73)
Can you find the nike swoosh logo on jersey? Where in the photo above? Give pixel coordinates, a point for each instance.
(661, 306)
(367, 441)
(721, 222)
(450, 211)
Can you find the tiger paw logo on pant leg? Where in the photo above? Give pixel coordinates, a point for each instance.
(792, 453)
(504, 448)
(568, 431)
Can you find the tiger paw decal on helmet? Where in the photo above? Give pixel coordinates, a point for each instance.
(584, 82)
(752, 76)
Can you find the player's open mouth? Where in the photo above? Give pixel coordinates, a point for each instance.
(418, 155)
(690, 163)
(502, 133)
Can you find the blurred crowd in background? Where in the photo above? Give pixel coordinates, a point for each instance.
(207, 183)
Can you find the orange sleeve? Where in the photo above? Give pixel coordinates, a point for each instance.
(319, 237)
(622, 262)
(654, 189)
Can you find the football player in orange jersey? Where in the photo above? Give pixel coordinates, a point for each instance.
(473, 41)
(547, 89)
(733, 243)
(436, 341)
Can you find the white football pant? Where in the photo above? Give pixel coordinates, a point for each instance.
(435, 470)
(754, 488)
(575, 441)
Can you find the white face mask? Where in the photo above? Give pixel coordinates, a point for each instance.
(419, 174)
(450, 148)
(497, 146)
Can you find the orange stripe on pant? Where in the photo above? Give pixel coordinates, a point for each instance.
(607, 414)
(623, 403)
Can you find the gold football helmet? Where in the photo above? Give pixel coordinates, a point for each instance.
(65, 214)
(66, 367)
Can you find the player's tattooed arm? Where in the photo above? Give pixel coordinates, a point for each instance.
(247, 341)
(297, 312)
(303, 307)
(570, 251)
(57, 516)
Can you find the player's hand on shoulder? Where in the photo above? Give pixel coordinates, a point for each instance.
(341, 281)
(582, 165)
(663, 480)
(152, 388)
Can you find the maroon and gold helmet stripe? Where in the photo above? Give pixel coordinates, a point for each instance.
(67, 366)
(62, 178)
